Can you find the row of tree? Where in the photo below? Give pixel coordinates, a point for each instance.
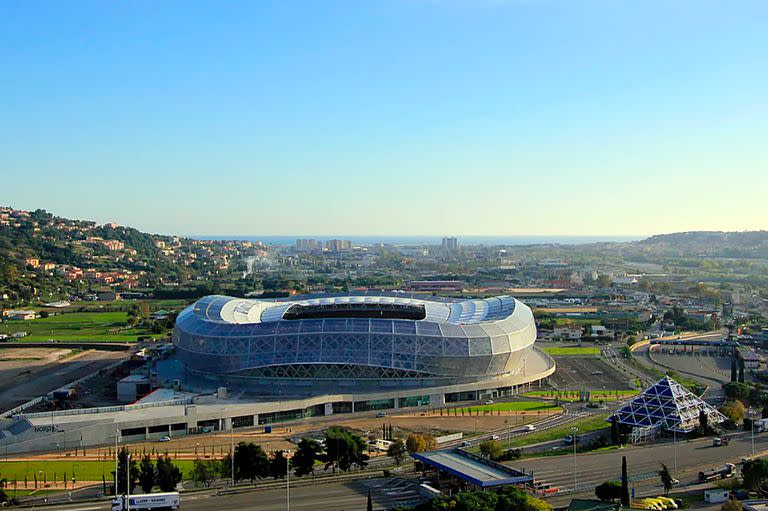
(146, 474)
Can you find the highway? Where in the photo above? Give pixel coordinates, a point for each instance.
(643, 461)
(591, 470)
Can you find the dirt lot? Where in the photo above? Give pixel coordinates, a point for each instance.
(26, 373)
(589, 373)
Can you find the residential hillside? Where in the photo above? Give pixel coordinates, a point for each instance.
(46, 257)
(747, 244)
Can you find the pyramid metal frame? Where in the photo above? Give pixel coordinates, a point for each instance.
(667, 405)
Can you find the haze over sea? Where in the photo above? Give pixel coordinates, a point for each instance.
(431, 240)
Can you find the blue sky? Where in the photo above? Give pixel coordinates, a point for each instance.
(410, 117)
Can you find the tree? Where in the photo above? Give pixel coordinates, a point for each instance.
(734, 410)
(397, 451)
(737, 390)
(122, 476)
(146, 474)
(624, 483)
(666, 479)
(168, 474)
(731, 504)
(307, 452)
(417, 442)
(251, 462)
(491, 449)
(615, 435)
(204, 471)
(278, 466)
(344, 449)
(703, 422)
(754, 472)
(608, 491)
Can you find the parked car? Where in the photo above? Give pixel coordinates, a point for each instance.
(489, 402)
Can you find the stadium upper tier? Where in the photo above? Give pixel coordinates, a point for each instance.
(355, 337)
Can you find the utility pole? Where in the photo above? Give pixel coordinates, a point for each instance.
(287, 481)
(128, 483)
(232, 453)
(117, 432)
(575, 430)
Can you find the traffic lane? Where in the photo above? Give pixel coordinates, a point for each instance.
(326, 497)
(692, 455)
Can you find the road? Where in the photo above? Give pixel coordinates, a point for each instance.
(326, 497)
(592, 469)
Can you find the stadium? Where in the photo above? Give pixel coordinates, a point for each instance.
(393, 340)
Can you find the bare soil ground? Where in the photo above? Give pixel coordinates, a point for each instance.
(26, 373)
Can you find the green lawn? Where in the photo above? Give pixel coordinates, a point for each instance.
(76, 326)
(572, 351)
(585, 425)
(83, 470)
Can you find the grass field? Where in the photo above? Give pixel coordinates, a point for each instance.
(83, 470)
(515, 406)
(585, 425)
(566, 350)
(76, 326)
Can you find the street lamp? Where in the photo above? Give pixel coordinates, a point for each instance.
(117, 436)
(674, 445)
(287, 481)
(128, 483)
(752, 422)
(574, 429)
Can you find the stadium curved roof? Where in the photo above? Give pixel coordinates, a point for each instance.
(229, 310)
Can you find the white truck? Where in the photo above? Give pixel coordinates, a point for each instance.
(761, 425)
(146, 502)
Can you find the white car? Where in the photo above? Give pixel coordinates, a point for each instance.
(164, 439)
(489, 402)
(529, 427)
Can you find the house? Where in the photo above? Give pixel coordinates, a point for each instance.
(32, 261)
(570, 333)
(22, 315)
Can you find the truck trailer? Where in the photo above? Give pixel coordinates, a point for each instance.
(146, 502)
(721, 472)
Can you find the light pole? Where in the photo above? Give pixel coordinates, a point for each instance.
(232, 454)
(674, 445)
(117, 433)
(287, 481)
(128, 483)
(752, 422)
(574, 429)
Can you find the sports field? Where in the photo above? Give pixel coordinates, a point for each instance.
(578, 351)
(77, 326)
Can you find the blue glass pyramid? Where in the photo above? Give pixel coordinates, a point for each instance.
(667, 405)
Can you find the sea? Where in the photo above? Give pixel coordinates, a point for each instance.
(429, 240)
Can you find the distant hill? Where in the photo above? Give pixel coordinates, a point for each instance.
(746, 244)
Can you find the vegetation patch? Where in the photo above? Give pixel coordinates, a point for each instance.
(76, 326)
(575, 350)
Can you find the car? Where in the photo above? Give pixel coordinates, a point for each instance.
(381, 414)
(489, 402)
(494, 437)
(529, 427)
(466, 443)
(596, 373)
(164, 439)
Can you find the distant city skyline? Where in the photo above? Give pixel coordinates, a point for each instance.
(398, 118)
